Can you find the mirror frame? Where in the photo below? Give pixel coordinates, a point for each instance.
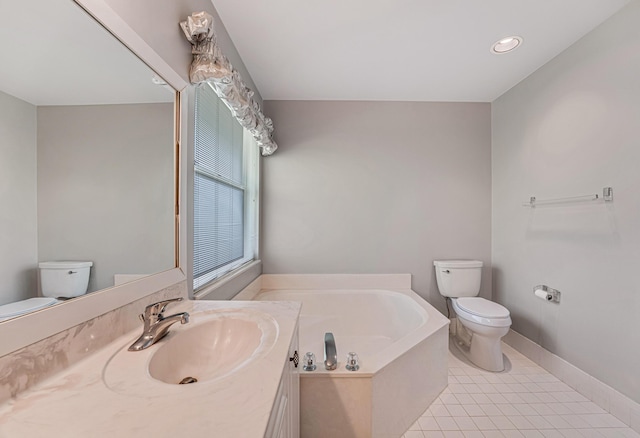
(27, 329)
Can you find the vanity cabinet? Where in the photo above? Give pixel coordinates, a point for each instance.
(285, 415)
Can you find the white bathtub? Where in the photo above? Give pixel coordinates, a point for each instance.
(401, 341)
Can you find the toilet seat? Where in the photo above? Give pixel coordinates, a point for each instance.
(23, 307)
(481, 311)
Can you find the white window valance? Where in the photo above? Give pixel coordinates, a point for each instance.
(210, 65)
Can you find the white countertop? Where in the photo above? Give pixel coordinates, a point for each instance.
(78, 403)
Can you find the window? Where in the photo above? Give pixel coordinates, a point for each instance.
(225, 190)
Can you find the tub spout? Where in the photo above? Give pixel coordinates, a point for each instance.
(330, 352)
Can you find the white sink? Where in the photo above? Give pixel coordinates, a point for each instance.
(211, 347)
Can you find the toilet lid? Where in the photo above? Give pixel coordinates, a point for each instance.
(25, 306)
(481, 307)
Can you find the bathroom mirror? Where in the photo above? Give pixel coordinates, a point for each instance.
(87, 152)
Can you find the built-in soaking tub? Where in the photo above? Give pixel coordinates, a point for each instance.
(401, 341)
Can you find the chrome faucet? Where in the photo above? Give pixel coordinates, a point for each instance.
(156, 325)
(330, 352)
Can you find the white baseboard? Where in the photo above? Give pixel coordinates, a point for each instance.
(612, 401)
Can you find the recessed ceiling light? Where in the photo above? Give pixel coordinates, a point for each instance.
(506, 45)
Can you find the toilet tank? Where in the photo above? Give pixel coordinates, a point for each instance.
(458, 278)
(64, 279)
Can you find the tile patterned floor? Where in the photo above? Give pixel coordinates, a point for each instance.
(523, 401)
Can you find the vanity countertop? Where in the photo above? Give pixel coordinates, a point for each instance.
(78, 403)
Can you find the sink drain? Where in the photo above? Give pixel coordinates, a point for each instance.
(188, 380)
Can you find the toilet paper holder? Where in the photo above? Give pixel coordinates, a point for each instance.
(547, 293)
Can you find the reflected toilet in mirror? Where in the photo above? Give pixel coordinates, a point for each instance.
(59, 281)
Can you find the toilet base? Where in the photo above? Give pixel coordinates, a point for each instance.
(484, 352)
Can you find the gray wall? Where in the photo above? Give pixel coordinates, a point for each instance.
(105, 188)
(18, 220)
(573, 128)
(377, 187)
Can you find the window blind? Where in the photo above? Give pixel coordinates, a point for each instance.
(219, 190)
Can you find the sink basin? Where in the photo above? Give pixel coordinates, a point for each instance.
(211, 347)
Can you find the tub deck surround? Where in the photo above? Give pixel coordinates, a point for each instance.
(78, 402)
(401, 340)
(324, 282)
(378, 325)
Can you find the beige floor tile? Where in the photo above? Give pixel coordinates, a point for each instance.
(525, 401)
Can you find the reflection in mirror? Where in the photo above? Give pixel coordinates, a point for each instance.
(86, 158)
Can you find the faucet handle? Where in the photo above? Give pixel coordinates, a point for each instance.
(156, 309)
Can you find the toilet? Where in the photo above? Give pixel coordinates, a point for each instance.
(57, 280)
(19, 308)
(485, 322)
(64, 279)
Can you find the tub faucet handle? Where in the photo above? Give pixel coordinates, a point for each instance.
(352, 362)
(309, 362)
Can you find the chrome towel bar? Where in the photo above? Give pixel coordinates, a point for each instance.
(607, 196)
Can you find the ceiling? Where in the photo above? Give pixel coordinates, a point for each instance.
(53, 53)
(407, 50)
